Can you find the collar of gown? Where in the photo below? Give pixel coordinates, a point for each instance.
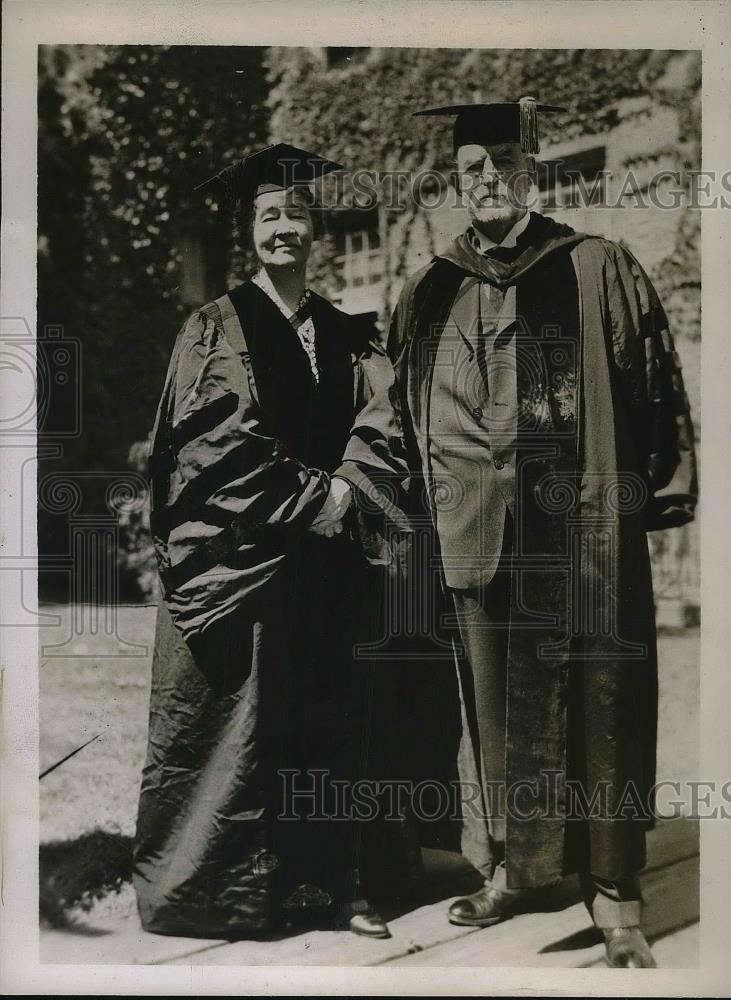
(262, 280)
(542, 236)
(482, 243)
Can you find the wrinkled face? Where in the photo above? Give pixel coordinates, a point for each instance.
(282, 230)
(494, 181)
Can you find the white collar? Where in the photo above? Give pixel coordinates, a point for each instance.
(483, 243)
(263, 281)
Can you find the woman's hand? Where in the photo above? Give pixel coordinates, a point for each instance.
(329, 521)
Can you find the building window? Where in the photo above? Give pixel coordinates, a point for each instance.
(360, 262)
(573, 189)
(360, 258)
(341, 58)
(576, 181)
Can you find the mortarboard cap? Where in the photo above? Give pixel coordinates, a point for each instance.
(494, 123)
(274, 168)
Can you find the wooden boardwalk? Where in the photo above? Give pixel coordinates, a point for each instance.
(559, 935)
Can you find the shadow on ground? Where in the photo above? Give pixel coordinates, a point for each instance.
(74, 874)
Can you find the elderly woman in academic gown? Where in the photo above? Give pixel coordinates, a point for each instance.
(254, 681)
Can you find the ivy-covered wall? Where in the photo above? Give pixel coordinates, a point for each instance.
(643, 107)
(361, 114)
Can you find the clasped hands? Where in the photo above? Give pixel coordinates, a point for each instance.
(329, 521)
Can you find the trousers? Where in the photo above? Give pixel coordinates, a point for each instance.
(483, 622)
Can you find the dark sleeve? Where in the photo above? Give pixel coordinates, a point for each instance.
(227, 498)
(225, 456)
(375, 464)
(374, 461)
(645, 354)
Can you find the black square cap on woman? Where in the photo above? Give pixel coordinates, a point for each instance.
(273, 168)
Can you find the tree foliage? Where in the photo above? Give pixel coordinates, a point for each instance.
(125, 135)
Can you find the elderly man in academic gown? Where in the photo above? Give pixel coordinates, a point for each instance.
(540, 400)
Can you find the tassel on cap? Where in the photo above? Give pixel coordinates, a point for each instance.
(529, 125)
(486, 124)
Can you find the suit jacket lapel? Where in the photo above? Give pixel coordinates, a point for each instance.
(465, 310)
(507, 310)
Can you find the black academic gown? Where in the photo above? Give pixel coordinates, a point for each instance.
(254, 681)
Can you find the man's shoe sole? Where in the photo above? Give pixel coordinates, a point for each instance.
(380, 936)
(477, 922)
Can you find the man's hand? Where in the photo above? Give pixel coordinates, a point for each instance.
(329, 521)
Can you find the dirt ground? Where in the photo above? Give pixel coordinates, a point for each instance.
(98, 685)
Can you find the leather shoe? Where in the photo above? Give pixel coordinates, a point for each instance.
(361, 918)
(307, 899)
(485, 907)
(627, 948)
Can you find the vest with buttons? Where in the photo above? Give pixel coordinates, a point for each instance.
(472, 432)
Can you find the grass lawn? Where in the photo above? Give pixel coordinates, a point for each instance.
(94, 689)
